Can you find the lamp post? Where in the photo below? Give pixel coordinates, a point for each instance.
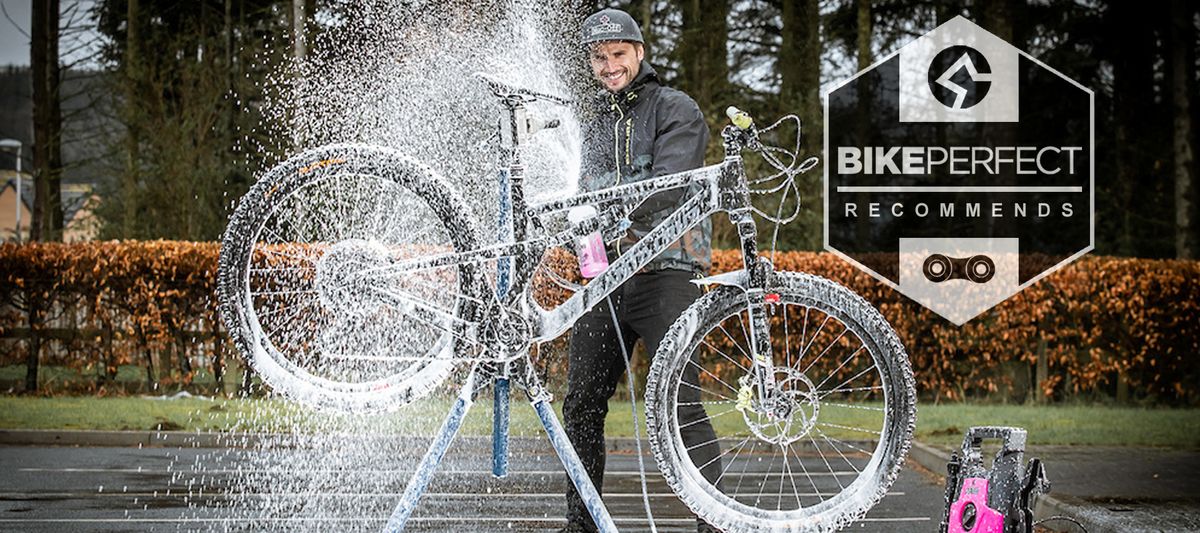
(7, 144)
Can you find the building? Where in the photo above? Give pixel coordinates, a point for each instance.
(79, 203)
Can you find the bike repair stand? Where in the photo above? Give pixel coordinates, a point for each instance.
(500, 374)
(540, 398)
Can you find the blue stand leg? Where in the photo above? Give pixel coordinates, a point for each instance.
(575, 471)
(500, 429)
(437, 450)
(504, 266)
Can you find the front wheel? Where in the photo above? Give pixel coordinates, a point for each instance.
(828, 444)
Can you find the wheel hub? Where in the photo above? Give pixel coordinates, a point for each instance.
(790, 415)
(340, 283)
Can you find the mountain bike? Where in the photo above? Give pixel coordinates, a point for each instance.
(354, 278)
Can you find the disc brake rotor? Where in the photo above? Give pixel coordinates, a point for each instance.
(792, 413)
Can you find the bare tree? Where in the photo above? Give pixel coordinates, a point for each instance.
(47, 122)
(1183, 41)
(130, 177)
(863, 15)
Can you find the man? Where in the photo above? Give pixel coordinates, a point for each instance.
(640, 130)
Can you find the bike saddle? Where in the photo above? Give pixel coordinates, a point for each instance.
(504, 90)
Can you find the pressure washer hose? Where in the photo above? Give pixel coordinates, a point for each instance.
(637, 426)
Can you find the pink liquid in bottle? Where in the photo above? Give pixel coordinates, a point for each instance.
(590, 248)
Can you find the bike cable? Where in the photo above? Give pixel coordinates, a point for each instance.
(637, 431)
(787, 165)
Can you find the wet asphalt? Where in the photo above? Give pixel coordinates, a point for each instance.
(69, 489)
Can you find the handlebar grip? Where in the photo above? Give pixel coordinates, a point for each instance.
(739, 118)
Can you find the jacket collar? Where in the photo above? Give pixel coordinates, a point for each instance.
(628, 97)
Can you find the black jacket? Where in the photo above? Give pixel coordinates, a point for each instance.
(643, 131)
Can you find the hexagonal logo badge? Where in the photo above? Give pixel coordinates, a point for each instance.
(959, 170)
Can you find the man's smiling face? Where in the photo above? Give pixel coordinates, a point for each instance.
(615, 63)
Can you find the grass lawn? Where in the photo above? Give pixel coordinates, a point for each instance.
(936, 424)
(59, 377)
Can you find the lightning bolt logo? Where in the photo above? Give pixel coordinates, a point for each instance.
(960, 92)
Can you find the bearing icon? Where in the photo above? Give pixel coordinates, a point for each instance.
(977, 268)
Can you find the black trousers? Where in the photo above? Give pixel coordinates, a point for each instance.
(646, 306)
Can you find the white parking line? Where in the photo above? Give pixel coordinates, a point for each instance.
(416, 519)
(343, 472)
(196, 494)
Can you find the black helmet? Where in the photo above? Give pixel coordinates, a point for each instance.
(610, 25)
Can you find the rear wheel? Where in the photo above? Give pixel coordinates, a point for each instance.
(304, 288)
(824, 450)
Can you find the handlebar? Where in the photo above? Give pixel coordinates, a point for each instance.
(739, 118)
(741, 134)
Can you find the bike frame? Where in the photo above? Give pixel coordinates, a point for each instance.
(715, 188)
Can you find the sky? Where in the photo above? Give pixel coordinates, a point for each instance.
(14, 44)
(14, 38)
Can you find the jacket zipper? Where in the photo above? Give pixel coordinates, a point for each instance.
(629, 97)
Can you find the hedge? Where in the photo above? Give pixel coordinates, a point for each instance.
(1121, 327)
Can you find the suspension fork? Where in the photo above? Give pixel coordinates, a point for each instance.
(758, 272)
(733, 196)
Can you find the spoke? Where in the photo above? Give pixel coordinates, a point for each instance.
(787, 468)
(337, 194)
(826, 350)
(697, 387)
(745, 466)
(850, 428)
(269, 270)
(419, 236)
(435, 322)
(279, 293)
(746, 334)
(353, 210)
(848, 406)
(792, 479)
(701, 444)
(705, 419)
(734, 342)
(838, 369)
(835, 448)
(770, 468)
(807, 475)
(723, 454)
(856, 376)
(733, 460)
(267, 249)
(726, 356)
(710, 402)
(714, 376)
(787, 350)
(441, 290)
(377, 224)
(826, 461)
(295, 313)
(803, 334)
(814, 338)
(851, 389)
(417, 303)
(276, 309)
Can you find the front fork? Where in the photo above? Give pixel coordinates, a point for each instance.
(759, 272)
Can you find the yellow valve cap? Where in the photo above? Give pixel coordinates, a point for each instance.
(740, 118)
